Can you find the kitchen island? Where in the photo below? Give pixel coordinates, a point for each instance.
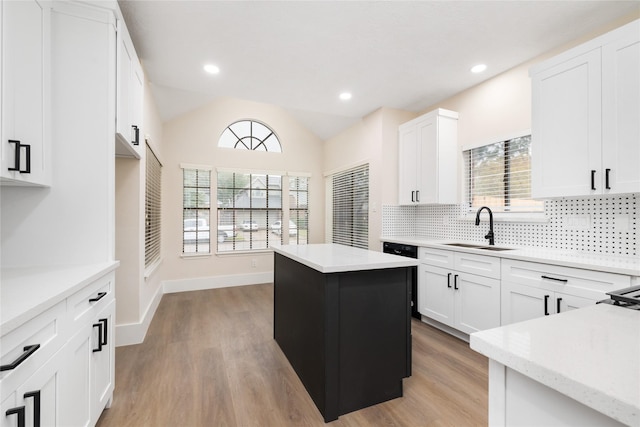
(342, 318)
(580, 367)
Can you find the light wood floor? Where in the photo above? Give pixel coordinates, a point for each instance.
(209, 359)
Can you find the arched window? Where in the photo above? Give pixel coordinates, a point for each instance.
(250, 135)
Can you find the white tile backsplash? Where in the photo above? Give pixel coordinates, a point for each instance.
(599, 224)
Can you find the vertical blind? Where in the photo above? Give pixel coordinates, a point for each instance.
(152, 218)
(499, 176)
(351, 207)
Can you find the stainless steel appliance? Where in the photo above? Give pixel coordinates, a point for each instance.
(626, 297)
(410, 252)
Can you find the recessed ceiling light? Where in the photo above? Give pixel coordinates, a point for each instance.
(211, 69)
(478, 68)
(345, 96)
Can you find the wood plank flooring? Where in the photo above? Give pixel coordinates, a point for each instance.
(209, 359)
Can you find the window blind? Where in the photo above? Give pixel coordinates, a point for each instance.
(196, 204)
(153, 217)
(351, 207)
(498, 175)
(298, 210)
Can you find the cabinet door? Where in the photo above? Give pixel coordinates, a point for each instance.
(75, 384)
(102, 361)
(8, 401)
(125, 62)
(408, 164)
(566, 128)
(477, 302)
(435, 294)
(427, 155)
(565, 302)
(620, 113)
(24, 62)
(520, 303)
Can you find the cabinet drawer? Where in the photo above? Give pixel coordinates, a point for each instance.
(84, 304)
(482, 265)
(48, 330)
(559, 278)
(436, 257)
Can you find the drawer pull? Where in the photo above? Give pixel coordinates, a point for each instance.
(455, 282)
(99, 297)
(448, 280)
(558, 304)
(555, 278)
(546, 305)
(28, 351)
(36, 406)
(19, 411)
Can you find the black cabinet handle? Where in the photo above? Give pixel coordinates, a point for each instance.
(555, 278)
(455, 282)
(100, 327)
(19, 411)
(28, 351)
(16, 162)
(418, 196)
(546, 305)
(593, 179)
(104, 331)
(412, 194)
(99, 297)
(36, 406)
(558, 304)
(136, 133)
(606, 179)
(449, 280)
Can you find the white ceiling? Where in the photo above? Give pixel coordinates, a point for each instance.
(300, 55)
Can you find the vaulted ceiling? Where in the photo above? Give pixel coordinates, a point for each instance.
(300, 55)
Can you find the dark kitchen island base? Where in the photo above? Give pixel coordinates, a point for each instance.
(346, 334)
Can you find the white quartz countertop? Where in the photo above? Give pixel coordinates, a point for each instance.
(591, 355)
(332, 258)
(25, 292)
(629, 265)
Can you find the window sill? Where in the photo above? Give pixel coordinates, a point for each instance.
(195, 255)
(525, 217)
(240, 253)
(148, 272)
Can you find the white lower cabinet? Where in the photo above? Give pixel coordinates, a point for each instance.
(468, 302)
(72, 386)
(531, 290)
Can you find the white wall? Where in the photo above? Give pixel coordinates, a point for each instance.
(192, 138)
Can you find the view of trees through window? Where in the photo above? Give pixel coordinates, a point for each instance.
(499, 176)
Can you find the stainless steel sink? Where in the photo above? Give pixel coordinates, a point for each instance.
(474, 246)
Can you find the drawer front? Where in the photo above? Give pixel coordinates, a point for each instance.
(436, 257)
(482, 265)
(87, 302)
(49, 330)
(588, 283)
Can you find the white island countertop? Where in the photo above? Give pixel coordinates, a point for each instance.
(333, 258)
(591, 355)
(27, 291)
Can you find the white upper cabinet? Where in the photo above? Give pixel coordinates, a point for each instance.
(585, 126)
(25, 150)
(130, 87)
(427, 155)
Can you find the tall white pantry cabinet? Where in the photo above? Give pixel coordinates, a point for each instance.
(585, 126)
(57, 285)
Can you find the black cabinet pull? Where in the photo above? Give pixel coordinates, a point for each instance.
(555, 278)
(558, 304)
(36, 406)
(412, 194)
(417, 196)
(455, 282)
(593, 179)
(16, 161)
(449, 280)
(546, 305)
(104, 331)
(19, 411)
(28, 351)
(606, 179)
(99, 297)
(100, 326)
(136, 133)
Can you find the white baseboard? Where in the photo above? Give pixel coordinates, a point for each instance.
(134, 333)
(214, 282)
